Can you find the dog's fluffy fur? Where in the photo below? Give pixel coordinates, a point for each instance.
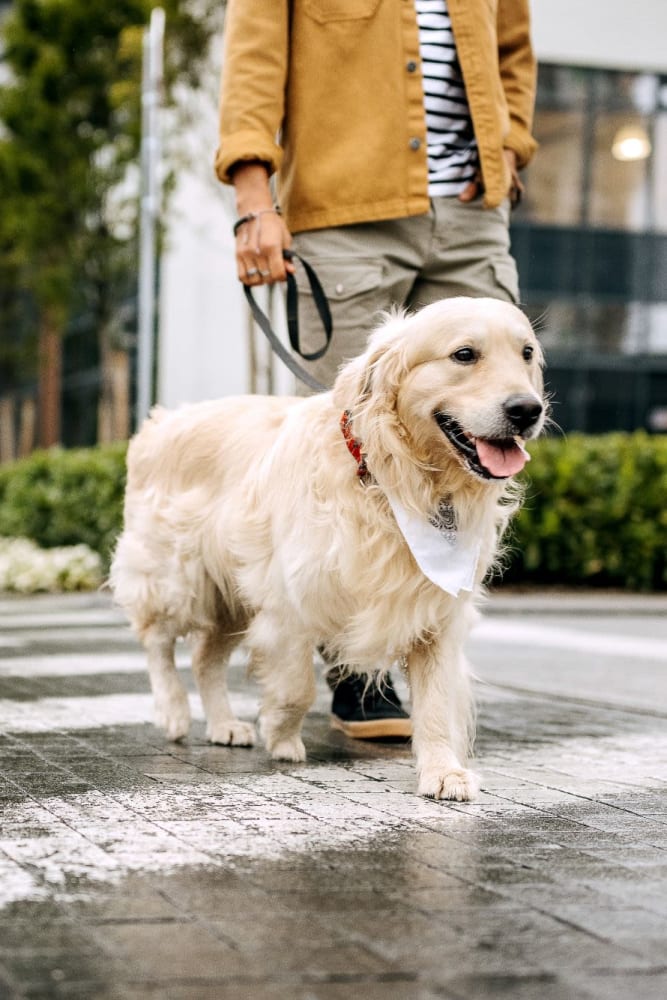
(245, 520)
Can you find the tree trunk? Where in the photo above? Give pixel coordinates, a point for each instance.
(27, 426)
(7, 433)
(50, 382)
(114, 408)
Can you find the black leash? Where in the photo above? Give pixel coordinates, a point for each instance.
(292, 303)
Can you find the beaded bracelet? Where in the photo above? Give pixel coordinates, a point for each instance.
(253, 215)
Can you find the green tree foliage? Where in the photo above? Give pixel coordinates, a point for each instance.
(70, 108)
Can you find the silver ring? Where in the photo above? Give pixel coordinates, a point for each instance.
(251, 271)
(265, 274)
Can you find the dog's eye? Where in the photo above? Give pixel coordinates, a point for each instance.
(528, 352)
(465, 355)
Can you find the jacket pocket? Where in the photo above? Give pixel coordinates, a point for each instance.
(340, 10)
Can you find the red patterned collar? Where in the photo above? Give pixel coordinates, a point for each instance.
(353, 445)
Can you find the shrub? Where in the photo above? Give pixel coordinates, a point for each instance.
(58, 498)
(595, 513)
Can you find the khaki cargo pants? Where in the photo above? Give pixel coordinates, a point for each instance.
(456, 249)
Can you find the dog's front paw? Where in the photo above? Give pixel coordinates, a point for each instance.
(173, 715)
(291, 749)
(458, 784)
(231, 733)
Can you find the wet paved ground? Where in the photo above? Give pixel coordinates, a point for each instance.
(133, 868)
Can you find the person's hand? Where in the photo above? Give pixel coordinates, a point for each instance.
(475, 188)
(516, 185)
(260, 242)
(261, 239)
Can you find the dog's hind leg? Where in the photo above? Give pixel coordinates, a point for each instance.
(284, 666)
(442, 717)
(172, 711)
(210, 654)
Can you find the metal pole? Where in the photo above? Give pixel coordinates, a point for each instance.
(151, 96)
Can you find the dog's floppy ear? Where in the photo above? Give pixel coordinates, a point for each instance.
(354, 383)
(357, 379)
(367, 388)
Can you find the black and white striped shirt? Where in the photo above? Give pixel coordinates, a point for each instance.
(453, 158)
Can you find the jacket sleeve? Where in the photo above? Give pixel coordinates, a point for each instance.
(518, 73)
(254, 71)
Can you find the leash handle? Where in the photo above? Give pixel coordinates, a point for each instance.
(292, 304)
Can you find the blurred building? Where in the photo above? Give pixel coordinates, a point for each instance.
(590, 236)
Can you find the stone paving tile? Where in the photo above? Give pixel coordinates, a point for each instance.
(134, 868)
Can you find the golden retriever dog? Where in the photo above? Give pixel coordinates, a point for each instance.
(361, 521)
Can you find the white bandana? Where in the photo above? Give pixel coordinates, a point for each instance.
(447, 556)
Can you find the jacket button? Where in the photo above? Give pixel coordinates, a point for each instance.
(415, 143)
(411, 66)
(339, 289)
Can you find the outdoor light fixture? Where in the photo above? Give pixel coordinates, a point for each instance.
(631, 142)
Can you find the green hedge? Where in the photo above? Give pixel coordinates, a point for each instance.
(61, 497)
(595, 510)
(595, 513)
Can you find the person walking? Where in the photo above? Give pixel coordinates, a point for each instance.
(382, 140)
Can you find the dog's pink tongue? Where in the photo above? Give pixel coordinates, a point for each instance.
(501, 462)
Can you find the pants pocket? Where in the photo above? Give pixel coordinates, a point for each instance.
(506, 275)
(355, 296)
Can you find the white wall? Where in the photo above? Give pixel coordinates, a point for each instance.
(616, 34)
(202, 349)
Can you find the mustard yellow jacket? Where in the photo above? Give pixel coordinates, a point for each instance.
(329, 94)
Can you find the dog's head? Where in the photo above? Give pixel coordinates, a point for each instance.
(459, 381)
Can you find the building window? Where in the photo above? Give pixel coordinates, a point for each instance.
(591, 242)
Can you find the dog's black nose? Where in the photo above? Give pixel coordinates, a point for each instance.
(523, 411)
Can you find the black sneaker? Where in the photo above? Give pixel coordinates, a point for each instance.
(365, 709)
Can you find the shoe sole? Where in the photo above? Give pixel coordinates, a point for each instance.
(374, 729)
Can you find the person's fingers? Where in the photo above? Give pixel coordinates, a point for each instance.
(276, 265)
(260, 251)
(252, 263)
(516, 186)
(470, 192)
(247, 268)
(263, 267)
(516, 190)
